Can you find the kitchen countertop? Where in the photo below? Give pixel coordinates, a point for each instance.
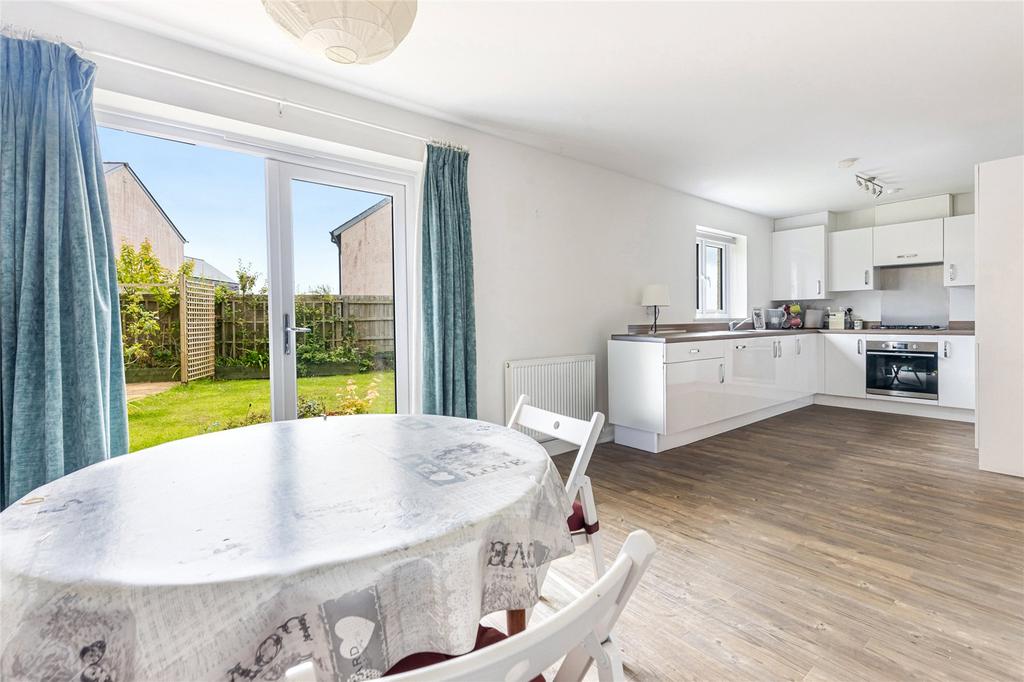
(682, 337)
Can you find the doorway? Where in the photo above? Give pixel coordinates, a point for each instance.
(254, 237)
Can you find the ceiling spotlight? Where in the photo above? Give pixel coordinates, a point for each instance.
(869, 185)
(893, 190)
(846, 163)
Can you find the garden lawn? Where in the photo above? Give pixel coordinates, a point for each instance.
(210, 405)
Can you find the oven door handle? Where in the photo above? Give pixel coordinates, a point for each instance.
(897, 353)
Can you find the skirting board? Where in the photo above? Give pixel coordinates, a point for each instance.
(894, 407)
(655, 442)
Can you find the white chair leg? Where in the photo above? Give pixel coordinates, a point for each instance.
(590, 517)
(615, 672)
(597, 547)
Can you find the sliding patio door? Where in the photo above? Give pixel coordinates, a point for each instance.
(337, 264)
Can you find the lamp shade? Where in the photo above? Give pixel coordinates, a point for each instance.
(345, 31)
(655, 294)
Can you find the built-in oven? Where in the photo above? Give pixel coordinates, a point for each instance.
(906, 369)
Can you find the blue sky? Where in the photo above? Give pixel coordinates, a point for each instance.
(216, 199)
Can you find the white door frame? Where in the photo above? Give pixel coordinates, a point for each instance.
(403, 173)
(280, 238)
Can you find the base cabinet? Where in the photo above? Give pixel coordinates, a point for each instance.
(662, 396)
(956, 372)
(845, 366)
(694, 394)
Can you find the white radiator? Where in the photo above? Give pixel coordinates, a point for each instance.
(565, 385)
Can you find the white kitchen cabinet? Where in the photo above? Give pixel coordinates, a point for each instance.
(694, 394)
(799, 264)
(999, 294)
(845, 365)
(753, 373)
(958, 251)
(807, 362)
(908, 243)
(851, 260)
(956, 372)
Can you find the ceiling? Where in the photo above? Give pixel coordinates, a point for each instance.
(748, 104)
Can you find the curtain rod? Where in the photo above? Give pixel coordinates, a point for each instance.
(29, 34)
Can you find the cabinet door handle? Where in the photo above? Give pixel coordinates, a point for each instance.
(775, 349)
(860, 346)
(866, 277)
(819, 287)
(721, 373)
(952, 272)
(799, 350)
(695, 350)
(907, 255)
(780, 348)
(945, 349)
(740, 347)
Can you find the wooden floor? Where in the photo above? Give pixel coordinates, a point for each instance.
(824, 544)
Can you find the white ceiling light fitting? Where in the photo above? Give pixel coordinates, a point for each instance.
(870, 185)
(345, 31)
(846, 163)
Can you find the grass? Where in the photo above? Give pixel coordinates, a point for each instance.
(210, 405)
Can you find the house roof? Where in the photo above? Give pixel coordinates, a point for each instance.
(200, 268)
(336, 232)
(111, 166)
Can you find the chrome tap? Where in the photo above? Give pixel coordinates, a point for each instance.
(734, 325)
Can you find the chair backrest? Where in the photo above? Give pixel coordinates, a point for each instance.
(572, 430)
(575, 632)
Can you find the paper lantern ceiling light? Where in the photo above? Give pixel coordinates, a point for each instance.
(345, 31)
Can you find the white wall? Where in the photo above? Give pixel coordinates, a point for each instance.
(561, 248)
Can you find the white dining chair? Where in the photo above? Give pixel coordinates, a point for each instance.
(580, 634)
(583, 524)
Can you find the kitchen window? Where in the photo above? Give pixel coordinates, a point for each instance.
(713, 253)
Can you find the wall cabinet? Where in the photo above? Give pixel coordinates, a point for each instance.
(800, 264)
(958, 251)
(913, 243)
(851, 265)
(845, 366)
(956, 372)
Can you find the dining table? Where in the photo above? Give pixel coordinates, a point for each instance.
(351, 542)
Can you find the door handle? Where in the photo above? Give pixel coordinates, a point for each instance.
(945, 349)
(721, 373)
(780, 348)
(695, 350)
(860, 346)
(952, 272)
(866, 277)
(289, 333)
(799, 350)
(775, 349)
(819, 286)
(740, 347)
(907, 255)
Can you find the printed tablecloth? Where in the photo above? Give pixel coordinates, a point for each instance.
(349, 541)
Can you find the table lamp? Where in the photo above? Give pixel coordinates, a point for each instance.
(655, 296)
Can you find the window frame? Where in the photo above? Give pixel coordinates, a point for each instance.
(703, 242)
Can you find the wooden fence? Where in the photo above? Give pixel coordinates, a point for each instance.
(241, 324)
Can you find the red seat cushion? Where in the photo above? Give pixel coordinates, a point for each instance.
(484, 638)
(577, 523)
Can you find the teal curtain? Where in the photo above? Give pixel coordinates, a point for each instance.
(449, 323)
(62, 392)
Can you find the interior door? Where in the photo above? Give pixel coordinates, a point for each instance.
(338, 293)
